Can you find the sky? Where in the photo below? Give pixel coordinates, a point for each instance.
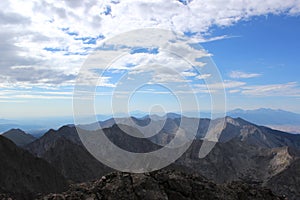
(47, 45)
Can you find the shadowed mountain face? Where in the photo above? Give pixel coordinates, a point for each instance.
(23, 175)
(48, 140)
(162, 184)
(19, 137)
(64, 150)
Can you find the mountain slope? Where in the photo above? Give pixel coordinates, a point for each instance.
(287, 182)
(48, 140)
(19, 137)
(236, 160)
(64, 150)
(23, 175)
(74, 161)
(257, 135)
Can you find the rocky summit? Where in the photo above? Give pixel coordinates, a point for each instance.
(160, 185)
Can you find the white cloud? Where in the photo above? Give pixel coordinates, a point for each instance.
(240, 75)
(21, 93)
(196, 16)
(285, 89)
(290, 89)
(234, 91)
(203, 76)
(227, 84)
(189, 74)
(73, 28)
(168, 78)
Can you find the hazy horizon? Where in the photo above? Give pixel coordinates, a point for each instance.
(137, 113)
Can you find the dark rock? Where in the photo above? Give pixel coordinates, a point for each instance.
(22, 175)
(164, 185)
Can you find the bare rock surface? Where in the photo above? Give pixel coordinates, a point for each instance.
(164, 185)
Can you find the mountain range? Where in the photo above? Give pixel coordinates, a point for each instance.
(252, 155)
(277, 119)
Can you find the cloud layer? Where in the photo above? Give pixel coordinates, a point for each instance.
(45, 42)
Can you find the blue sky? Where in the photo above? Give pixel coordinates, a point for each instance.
(267, 46)
(255, 46)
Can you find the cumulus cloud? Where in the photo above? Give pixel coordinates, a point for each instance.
(53, 38)
(193, 16)
(203, 76)
(240, 75)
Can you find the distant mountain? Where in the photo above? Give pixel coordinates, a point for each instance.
(256, 135)
(7, 126)
(167, 124)
(130, 121)
(35, 126)
(269, 117)
(162, 184)
(22, 175)
(7, 121)
(173, 115)
(34, 129)
(233, 127)
(19, 137)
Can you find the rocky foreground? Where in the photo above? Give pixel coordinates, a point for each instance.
(163, 184)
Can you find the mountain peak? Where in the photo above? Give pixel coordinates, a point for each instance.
(19, 137)
(16, 130)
